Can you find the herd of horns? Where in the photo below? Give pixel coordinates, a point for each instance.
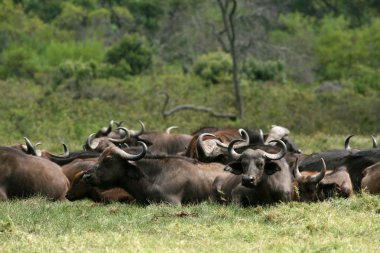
(223, 165)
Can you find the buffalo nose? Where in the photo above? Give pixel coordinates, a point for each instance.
(248, 180)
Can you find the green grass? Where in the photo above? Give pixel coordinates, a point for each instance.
(36, 225)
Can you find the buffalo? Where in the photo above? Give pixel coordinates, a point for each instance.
(260, 178)
(167, 179)
(23, 175)
(371, 179)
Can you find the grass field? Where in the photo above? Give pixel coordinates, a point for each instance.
(339, 225)
(36, 225)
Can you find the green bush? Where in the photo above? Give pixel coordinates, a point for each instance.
(214, 67)
(46, 11)
(264, 70)
(18, 61)
(366, 78)
(57, 52)
(71, 18)
(131, 55)
(75, 69)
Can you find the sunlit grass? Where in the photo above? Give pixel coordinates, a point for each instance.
(338, 225)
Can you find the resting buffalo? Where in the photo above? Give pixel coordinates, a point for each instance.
(23, 175)
(208, 147)
(169, 179)
(81, 190)
(371, 179)
(260, 178)
(313, 185)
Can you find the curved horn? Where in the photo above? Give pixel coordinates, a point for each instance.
(89, 144)
(30, 147)
(132, 157)
(170, 128)
(317, 178)
(232, 151)
(106, 131)
(280, 154)
(122, 140)
(347, 142)
(297, 173)
(244, 135)
(118, 124)
(66, 151)
(374, 142)
(200, 143)
(65, 154)
(142, 130)
(261, 136)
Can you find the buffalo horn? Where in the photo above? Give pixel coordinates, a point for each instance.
(244, 135)
(132, 157)
(280, 154)
(374, 142)
(106, 131)
(118, 124)
(232, 151)
(170, 128)
(200, 142)
(89, 144)
(134, 133)
(347, 142)
(126, 136)
(317, 178)
(261, 136)
(66, 152)
(297, 173)
(30, 147)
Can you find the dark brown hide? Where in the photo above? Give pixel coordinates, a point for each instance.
(174, 180)
(23, 175)
(371, 179)
(81, 190)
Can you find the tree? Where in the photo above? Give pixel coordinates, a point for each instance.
(228, 9)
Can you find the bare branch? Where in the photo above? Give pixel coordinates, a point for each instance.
(193, 108)
(201, 109)
(219, 37)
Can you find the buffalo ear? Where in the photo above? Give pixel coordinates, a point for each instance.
(270, 168)
(234, 167)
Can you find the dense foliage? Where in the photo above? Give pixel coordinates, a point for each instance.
(311, 67)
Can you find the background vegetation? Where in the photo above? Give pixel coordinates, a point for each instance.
(68, 67)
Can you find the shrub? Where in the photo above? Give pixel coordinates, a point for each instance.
(264, 70)
(365, 78)
(59, 52)
(18, 61)
(132, 54)
(213, 67)
(46, 11)
(75, 69)
(72, 17)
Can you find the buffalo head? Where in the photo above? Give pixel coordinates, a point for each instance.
(253, 163)
(114, 166)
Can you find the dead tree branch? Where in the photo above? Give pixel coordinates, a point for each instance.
(210, 111)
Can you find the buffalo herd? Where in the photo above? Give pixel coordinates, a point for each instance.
(222, 165)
